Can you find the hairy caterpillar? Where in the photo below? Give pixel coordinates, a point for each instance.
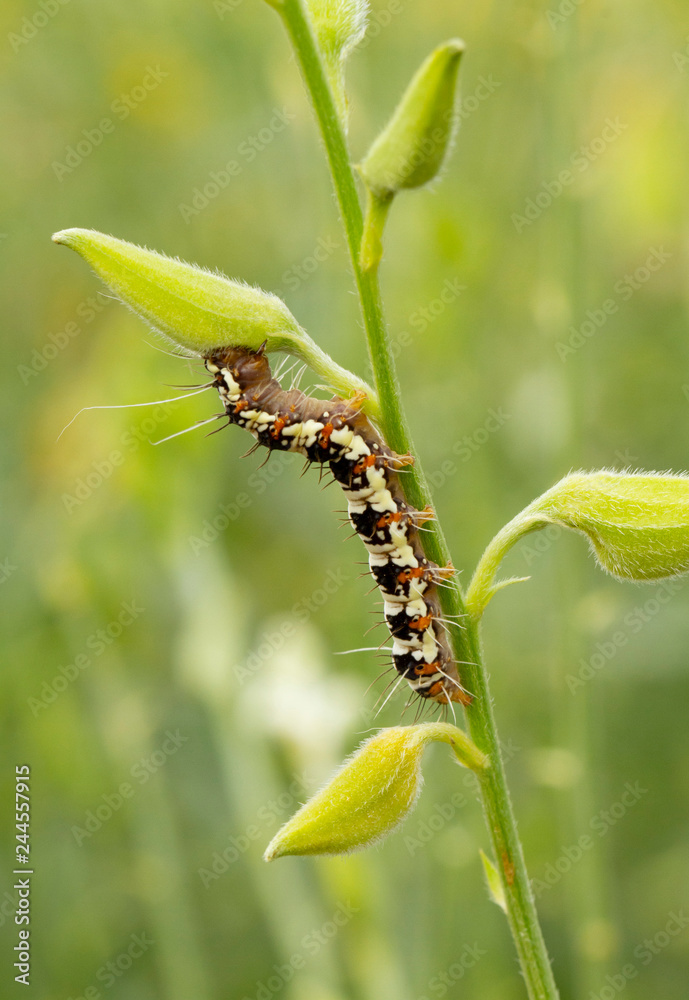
(338, 433)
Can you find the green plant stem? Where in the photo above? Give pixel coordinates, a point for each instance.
(483, 586)
(521, 910)
(377, 209)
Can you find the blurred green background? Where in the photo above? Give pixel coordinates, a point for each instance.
(166, 623)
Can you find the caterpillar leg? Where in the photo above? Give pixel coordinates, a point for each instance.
(421, 516)
(401, 461)
(356, 401)
(441, 573)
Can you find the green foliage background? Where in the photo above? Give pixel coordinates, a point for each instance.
(212, 601)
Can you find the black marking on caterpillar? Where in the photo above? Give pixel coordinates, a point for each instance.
(338, 433)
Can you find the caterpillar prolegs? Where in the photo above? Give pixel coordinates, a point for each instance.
(338, 433)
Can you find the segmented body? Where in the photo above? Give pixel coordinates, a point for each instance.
(338, 433)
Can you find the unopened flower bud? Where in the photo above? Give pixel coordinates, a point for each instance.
(203, 311)
(411, 149)
(371, 794)
(637, 524)
(196, 309)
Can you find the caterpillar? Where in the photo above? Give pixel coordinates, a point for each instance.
(338, 432)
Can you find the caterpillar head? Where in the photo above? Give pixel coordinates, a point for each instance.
(249, 368)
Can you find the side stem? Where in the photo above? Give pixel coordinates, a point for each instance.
(521, 909)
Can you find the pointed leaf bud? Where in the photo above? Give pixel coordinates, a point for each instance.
(371, 794)
(495, 886)
(202, 311)
(637, 525)
(412, 147)
(338, 25)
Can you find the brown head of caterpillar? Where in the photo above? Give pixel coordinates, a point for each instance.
(248, 368)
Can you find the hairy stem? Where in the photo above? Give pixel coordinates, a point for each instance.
(521, 910)
(483, 586)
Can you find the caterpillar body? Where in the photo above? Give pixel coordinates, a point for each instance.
(336, 432)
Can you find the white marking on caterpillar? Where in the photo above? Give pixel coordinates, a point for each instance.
(338, 434)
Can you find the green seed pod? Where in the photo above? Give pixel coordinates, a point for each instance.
(412, 147)
(202, 311)
(637, 524)
(372, 793)
(195, 309)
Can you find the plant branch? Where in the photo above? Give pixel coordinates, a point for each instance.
(482, 587)
(521, 910)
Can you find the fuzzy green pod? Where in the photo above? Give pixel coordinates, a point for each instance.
(203, 311)
(637, 524)
(412, 147)
(194, 308)
(371, 794)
